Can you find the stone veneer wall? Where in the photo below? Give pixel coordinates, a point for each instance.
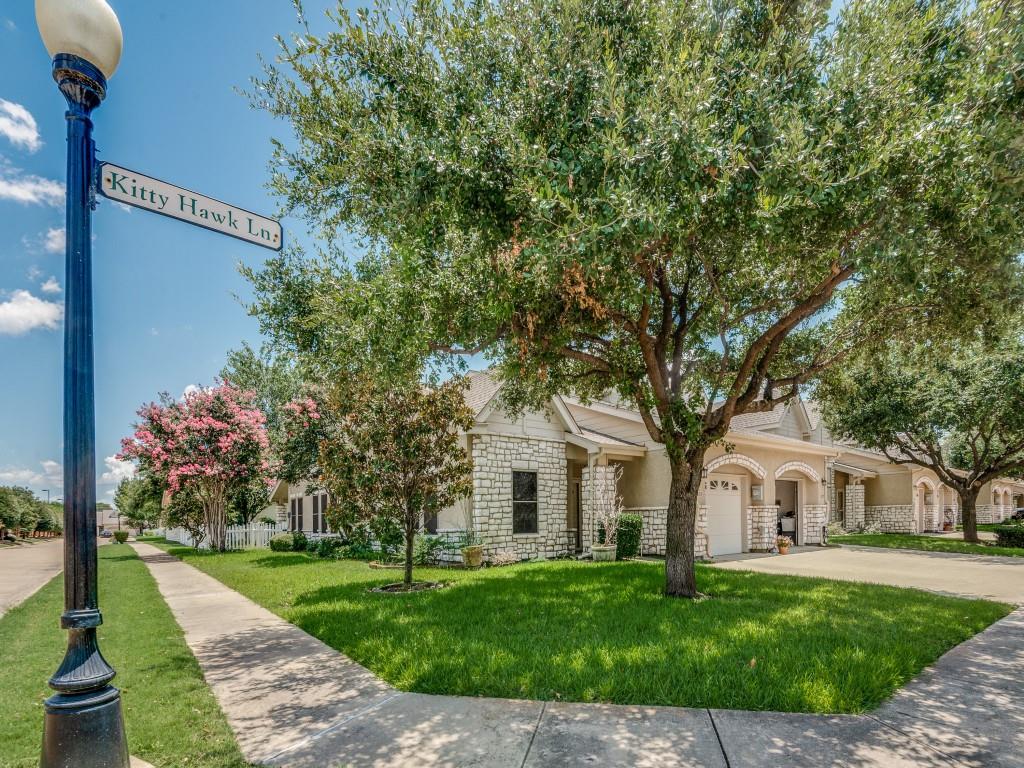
(990, 513)
(762, 528)
(814, 517)
(951, 514)
(931, 521)
(652, 538)
(494, 459)
(854, 512)
(892, 519)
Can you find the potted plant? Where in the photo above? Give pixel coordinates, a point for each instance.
(607, 511)
(472, 550)
(783, 543)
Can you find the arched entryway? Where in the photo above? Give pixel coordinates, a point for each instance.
(925, 505)
(797, 485)
(728, 479)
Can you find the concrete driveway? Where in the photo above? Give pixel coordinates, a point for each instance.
(988, 577)
(24, 568)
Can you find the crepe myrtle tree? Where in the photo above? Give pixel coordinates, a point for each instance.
(389, 450)
(699, 206)
(959, 414)
(208, 444)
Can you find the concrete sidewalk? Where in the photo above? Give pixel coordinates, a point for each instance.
(990, 577)
(293, 701)
(25, 568)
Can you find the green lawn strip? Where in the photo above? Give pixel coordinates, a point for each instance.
(171, 716)
(574, 631)
(924, 543)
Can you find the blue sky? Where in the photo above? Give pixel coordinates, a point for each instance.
(167, 295)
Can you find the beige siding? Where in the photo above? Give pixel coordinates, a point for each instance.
(621, 428)
(544, 424)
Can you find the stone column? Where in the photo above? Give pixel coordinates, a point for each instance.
(854, 507)
(814, 517)
(763, 527)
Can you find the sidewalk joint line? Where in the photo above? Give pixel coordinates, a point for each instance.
(718, 736)
(543, 708)
(914, 739)
(344, 721)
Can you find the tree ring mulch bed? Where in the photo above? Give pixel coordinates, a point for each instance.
(399, 588)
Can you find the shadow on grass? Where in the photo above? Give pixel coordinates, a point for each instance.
(281, 560)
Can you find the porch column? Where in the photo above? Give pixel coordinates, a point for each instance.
(854, 506)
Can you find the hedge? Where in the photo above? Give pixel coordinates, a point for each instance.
(627, 541)
(282, 542)
(1010, 535)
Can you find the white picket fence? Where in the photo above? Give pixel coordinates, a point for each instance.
(251, 536)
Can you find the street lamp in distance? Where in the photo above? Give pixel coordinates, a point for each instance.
(83, 725)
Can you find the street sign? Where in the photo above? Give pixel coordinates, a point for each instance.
(132, 188)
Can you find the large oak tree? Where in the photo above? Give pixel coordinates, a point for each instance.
(699, 205)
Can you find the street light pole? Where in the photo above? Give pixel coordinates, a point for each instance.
(83, 724)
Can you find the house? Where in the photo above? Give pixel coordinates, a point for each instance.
(537, 478)
(865, 488)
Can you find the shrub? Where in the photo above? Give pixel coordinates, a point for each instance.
(282, 542)
(300, 542)
(327, 547)
(631, 527)
(1010, 535)
(120, 536)
(426, 550)
(356, 551)
(835, 528)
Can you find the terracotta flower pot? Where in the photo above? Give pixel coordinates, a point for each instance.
(603, 553)
(783, 550)
(472, 556)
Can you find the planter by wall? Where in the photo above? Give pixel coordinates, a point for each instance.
(473, 556)
(603, 554)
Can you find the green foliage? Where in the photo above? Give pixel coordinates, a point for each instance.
(247, 500)
(628, 538)
(185, 510)
(427, 550)
(957, 412)
(120, 536)
(300, 542)
(282, 542)
(1010, 535)
(138, 500)
(691, 204)
(328, 547)
(20, 510)
(388, 453)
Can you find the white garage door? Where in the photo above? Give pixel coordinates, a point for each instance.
(725, 530)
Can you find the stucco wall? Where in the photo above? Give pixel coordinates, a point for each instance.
(889, 489)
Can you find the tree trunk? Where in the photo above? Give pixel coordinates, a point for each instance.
(410, 536)
(969, 514)
(216, 523)
(681, 523)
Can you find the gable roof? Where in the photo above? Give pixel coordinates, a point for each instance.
(482, 389)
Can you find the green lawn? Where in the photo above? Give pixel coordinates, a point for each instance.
(171, 716)
(604, 632)
(924, 543)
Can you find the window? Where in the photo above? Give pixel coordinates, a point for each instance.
(316, 514)
(524, 502)
(323, 514)
(298, 514)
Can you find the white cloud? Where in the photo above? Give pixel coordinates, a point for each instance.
(117, 470)
(27, 188)
(24, 312)
(50, 286)
(18, 126)
(34, 273)
(51, 476)
(54, 240)
(9, 23)
(122, 206)
(191, 389)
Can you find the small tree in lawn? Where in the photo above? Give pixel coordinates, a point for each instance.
(391, 451)
(960, 415)
(208, 444)
(699, 206)
(138, 500)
